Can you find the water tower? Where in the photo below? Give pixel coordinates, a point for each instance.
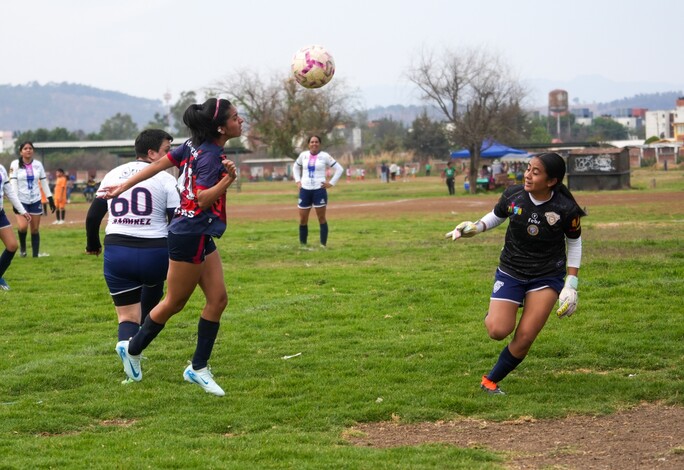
(558, 106)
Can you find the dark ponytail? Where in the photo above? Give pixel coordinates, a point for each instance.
(555, 168)
(204, 119)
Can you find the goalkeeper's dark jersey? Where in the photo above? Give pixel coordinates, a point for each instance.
(535, 238)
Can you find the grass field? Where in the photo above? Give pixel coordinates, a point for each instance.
(386, 324)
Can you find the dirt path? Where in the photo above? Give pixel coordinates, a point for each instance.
(648, 436)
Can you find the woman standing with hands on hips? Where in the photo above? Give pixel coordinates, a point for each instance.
(194, 260)
(544, 220)
(27, 177)
(310, 174)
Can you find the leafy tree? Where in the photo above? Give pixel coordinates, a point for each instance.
(160, 121)
(476, 93)
(281, 113)
(427, 138)
(178, 109)
(384, 135)
(58, 134)
(603, 128)
(119, 127)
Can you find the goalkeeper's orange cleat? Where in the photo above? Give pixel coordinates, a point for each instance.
(490, 387)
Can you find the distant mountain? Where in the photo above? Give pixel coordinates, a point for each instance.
(80, 107)
(650, 101)
(74, 107)
(587, 91)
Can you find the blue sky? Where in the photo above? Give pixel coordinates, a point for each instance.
(147, 47)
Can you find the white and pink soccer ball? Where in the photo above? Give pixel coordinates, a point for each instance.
(313, 66)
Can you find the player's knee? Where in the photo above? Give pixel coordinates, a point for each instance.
(496, 330)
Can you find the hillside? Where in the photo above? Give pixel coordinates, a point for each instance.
(74, 107)
(80, 107)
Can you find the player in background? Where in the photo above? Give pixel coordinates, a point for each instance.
(60, 196)
(6, 233)
(544, 221)
(27, 176)
(310, 175)
(205, 176)
(136, 255)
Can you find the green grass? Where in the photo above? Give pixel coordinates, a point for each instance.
(390, 311)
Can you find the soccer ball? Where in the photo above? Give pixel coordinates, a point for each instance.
(313, 66)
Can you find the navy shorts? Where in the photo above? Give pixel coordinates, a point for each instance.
(127, 268)
(35, 208)
(190, 248)
(4, 221)
(312, 197)
(511, 289)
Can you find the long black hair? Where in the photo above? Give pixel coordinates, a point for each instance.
(555, 168)
(204, 119)
(21, 146)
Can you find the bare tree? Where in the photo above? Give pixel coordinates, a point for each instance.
(280, 112)
(476, 93)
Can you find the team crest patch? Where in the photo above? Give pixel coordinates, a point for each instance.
(533, 230)
(552, 217)
(498, 285)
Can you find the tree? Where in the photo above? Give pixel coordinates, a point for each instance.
(178, 109)
(605, 128)
(281, 113)
(384, 135)
(119, 127)
(58, 134)
(476, 93)
(160, 121)
(427, 138)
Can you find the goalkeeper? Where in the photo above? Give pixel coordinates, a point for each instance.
(534, 270)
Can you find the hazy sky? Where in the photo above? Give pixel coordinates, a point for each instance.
(147, 47)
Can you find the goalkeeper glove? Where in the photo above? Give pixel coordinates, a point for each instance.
(567, 300)
(464, 229)
(51, 201)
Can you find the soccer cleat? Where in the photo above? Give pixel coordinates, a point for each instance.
(3, 284)
(490, 387)
(131, 363)
(203, 378)
(22, 254)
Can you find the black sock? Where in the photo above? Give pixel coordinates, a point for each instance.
(506, 363)
(324, 234)
(35, 244)
(206, 335)
(127, 330)
(303, 234)
(63, 211)
(149, 330)
(5, 260)
(22, 241)
(149, 298)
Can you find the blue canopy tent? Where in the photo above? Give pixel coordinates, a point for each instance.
(490, 149)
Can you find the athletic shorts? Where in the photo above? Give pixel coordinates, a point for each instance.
(35, 208)
(510, 289)
(312, 197)
(4, 221)
(190, 248)
(127, 268)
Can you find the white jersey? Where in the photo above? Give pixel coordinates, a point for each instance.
(25, 180)
(311, 169)
(140, 211)
(7, 190)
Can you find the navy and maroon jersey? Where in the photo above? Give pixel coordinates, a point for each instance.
(535, 238)
(201, 168)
